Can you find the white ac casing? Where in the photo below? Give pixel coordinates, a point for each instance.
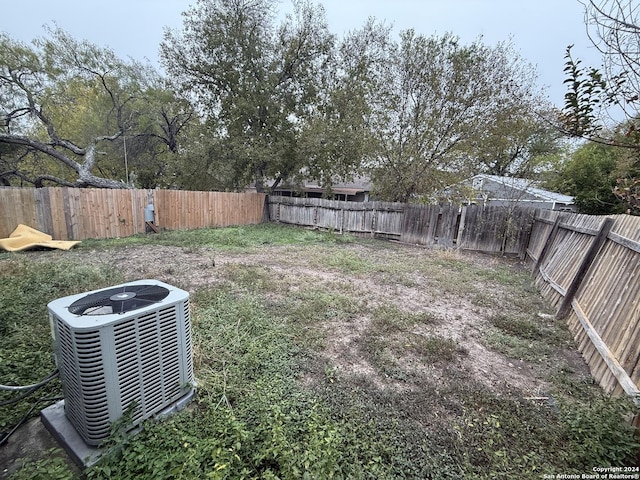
(110, 362)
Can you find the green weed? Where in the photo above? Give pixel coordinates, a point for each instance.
(599, 433)
(525, 337)
(252, 277)
(230, 238)
(313, 307)
(52, 466)
(435, 348)
(348, 261)
(389, 319)
(518, 327)
(516, 347)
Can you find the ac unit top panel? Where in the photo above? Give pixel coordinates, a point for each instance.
(60, 307)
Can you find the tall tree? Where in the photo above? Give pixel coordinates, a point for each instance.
(336, 136)
(68, 105)
(614, 28)
(257, 84)
(597, 96)
(437, 99)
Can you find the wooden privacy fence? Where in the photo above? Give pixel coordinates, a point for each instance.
(486, 229)
(589, 268)
(586, 266)
(81, 213)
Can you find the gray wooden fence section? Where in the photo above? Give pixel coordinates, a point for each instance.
(586, 266)
(589, 268)
(486, 229)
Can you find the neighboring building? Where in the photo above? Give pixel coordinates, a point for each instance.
(506, 191)
(356, 191)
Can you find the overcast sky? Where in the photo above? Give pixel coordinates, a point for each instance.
(540, 30)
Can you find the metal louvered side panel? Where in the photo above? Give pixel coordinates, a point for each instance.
(128, 366)
(150, 364)
(170, 352)
(188, 349)
(68, 371)
(83, 379)
(93, 385)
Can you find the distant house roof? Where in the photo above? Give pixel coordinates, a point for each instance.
(511, 185)
(358, 185)
(503, 191)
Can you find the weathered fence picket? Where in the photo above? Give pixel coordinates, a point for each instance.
(589, 268)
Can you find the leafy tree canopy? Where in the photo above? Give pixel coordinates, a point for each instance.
(254, 99)
(590, 176)
(273, 99)
(66, 107)
(518, 143)
(446, 110)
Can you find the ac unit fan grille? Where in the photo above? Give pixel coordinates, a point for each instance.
(118, 300)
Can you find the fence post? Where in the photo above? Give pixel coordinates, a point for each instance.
(584, 267)
(266, 210)
(527, 235)
(373, 223)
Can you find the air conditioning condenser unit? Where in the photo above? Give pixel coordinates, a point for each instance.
(122, 349)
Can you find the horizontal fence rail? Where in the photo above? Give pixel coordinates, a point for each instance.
(485, 229)
(82, 213)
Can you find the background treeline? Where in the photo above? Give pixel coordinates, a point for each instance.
(248, 97)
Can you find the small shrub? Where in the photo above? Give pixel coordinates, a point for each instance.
(600, 432)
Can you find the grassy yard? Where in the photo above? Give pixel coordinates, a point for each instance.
(322, 356)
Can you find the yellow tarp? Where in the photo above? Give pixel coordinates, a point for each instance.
(24, 237)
